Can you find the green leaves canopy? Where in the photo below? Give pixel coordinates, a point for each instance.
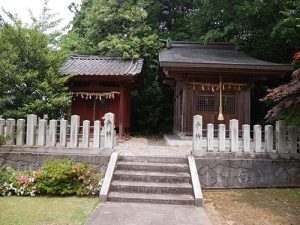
(29, 76)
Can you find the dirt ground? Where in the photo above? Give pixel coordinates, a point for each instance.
(253, 207)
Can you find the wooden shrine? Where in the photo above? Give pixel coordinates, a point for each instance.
(212, 80)
(101, 85)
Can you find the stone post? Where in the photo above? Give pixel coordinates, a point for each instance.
(75, 122)
(10, 131)
(269, 138)
(97, 130)
(20, 132)
(86, 134)
(280, 136)
(52, 133)
(234, 135)
(257, 138)
(210, 137)
(31, 128)
(109, 126)
(292, 134)
(222, 137)
(63, 126)
(246, 137)
(197, 133)
(41, 141)
(2, 126)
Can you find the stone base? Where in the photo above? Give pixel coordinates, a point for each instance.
(27, 160)
(248, 173)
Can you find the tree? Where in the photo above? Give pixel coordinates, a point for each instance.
(287, 99)
(267, 30)
(120, 29)
(30, 81)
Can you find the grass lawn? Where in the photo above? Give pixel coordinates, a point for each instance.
(45, 210)
(253, 207)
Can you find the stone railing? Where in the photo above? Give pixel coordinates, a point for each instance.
(283, 140)
(34, 132)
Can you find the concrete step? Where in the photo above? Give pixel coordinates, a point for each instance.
(151, 198)
(154, 167)
(153, 159)
(155, 188)
(152, 176)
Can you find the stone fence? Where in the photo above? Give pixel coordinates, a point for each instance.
(34, 132)
(279, 140)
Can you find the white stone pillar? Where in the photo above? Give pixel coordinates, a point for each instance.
(86, 134)
(246, 137)
(257, 138)
(222, 137)
(197, 133)
(292, 134)
(10, 131)
(269, 138)
(109, 126)
(210, 137)
(20, 132)
(280, 136)
(31, 128)
(52, 133)
(97, 130)
(75, 122)
(2, 126)
(234, 135)
(63, 126)
(41, 140)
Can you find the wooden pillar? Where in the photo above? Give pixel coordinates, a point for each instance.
(121, 112)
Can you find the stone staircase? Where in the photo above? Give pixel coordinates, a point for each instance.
(163, 180)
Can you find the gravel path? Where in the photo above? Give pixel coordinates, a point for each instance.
(150, 146)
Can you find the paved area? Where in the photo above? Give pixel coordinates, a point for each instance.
(114, 213)
(150, 146)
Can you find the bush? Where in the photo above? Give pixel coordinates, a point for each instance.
(66, 177)
(59, 177)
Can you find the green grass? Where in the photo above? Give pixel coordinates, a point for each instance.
(46, 210)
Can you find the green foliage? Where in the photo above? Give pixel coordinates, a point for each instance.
(266, 29)
(66, 177)
(59, 177)
(29, 76)
(6, 178)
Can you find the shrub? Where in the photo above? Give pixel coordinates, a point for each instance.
(59, 177)
(66, 177)
(6, 181)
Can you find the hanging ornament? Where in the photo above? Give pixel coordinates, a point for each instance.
(212, 88)
(90, 96)
(203, 89)
(82, 96)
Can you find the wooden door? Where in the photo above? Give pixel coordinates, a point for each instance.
(207, 105)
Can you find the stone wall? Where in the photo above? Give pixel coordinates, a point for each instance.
(27, 160)
(248, 172)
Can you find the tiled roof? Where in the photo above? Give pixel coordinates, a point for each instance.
(101, 66)
(215, 55)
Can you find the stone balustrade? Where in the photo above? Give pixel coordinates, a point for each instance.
(59, 133)
(281, 139)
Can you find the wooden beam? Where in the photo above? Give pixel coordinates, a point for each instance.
(121, 112)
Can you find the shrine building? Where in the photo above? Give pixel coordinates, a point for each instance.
(213, 80)
(103, 84)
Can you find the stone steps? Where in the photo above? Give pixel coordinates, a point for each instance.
(150, 187)
(161, 180)
(153, 159)
(151, 198)
(155, 167)
(175, 177)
